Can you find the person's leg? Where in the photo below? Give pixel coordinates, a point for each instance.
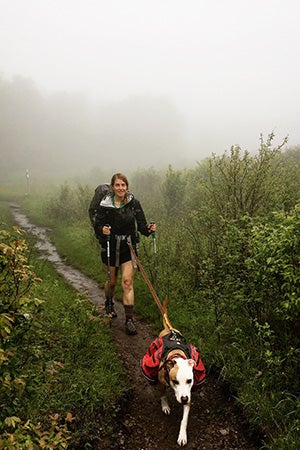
(128, 272)
(109, 289)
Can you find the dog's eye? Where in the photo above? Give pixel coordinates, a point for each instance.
(175, 382)
(189, 381)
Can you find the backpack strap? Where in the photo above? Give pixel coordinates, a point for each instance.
(137, 238)
(132, 256)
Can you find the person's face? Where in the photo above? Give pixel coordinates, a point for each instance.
(119, 188)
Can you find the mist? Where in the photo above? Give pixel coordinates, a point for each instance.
(65, 133)
(117, 85)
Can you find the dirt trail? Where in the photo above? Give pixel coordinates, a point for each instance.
(215, 421)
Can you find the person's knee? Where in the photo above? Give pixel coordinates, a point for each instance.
(127, 284)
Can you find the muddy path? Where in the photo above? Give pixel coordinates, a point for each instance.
(215, 420)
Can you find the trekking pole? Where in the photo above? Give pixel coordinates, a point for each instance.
(155, 257)
(109, 299)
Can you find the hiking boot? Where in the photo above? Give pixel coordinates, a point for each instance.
(110, 309)
(130, 327)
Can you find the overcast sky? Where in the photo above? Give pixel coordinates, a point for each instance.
(231, 67)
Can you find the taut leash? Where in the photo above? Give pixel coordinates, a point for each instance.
(151, 288)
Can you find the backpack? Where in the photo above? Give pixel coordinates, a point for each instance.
(100, 192)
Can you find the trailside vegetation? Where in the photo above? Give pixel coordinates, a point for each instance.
(59, 374)
(228, 254)
(236, 285)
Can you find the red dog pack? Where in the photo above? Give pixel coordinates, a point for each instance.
(158, 352)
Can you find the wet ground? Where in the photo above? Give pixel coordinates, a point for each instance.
(215, 420)
(77, 279)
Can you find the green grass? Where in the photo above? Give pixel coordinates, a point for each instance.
(85, 341)
(5, 214)
(80, 248)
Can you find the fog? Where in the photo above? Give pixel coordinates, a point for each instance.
(134, 83)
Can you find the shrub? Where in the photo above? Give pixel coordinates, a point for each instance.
(18, 312)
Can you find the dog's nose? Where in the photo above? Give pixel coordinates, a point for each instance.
(184, 400)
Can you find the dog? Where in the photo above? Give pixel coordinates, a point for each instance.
(173, 362)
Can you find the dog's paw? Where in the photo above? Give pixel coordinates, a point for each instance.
(165, 406)
(166, 409)
(182, 439)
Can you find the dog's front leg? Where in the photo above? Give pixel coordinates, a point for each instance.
(182, 437)
(164, 401)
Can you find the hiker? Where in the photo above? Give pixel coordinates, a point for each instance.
(118, 220)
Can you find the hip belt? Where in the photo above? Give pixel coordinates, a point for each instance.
(119, 238)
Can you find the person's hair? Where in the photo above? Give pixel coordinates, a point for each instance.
(122, 177)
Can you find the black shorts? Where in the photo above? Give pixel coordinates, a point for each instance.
(125, 254)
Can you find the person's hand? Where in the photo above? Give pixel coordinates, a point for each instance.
(152, 227)
(106, 230)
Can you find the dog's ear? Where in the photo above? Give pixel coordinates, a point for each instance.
(170, 363)
(191, 362)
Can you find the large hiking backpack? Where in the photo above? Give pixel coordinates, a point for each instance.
(100, 192)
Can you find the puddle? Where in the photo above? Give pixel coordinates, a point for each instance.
(74, 277)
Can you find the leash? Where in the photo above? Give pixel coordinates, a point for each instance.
(155, 259)
(161, 308)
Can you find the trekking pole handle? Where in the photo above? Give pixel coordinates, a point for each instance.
(152, 232)
(108, 235)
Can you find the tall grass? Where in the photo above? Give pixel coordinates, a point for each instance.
(79, 355)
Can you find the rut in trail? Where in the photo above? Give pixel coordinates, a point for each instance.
(215, 420)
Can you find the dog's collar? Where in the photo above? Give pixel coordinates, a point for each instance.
(176, 355)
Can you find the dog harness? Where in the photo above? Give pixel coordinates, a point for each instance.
(157, 355)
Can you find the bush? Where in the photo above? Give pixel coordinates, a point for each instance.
(69, 205)
(18, 311)
(18, 316)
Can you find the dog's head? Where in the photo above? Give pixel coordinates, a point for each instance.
(181, 378)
